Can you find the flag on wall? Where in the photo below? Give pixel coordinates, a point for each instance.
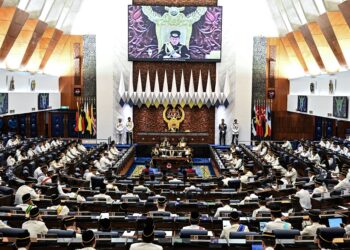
(254, 120)
(93, 120)
(268, 122)
(76, 129)
(89, 120)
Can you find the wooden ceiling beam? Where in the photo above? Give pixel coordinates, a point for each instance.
(294, 45)
(52, 45)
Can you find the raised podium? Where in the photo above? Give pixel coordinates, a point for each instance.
(167, 163)
(173, 137)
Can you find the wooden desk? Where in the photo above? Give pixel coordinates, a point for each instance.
(176, 163)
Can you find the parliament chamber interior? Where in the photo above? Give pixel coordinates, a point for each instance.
(184, 124)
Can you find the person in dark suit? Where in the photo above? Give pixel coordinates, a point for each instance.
(222, 132)
(174, 49)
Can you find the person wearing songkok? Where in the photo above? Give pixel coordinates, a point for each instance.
(225, 208)
(314, 156)
(31, 151)
(194, 221)
(104, 225)
(147, 238)
(268, 241)
(291, 174)
(319, 188)
(247, 173)
(161, 204)
(105, 162)
(56, 205)
(262, 207)
(26, 188)
(129, 194)
(276, 221)
(46, 178)
(23, 241)
(235, 226)
(227, 178)
(141, 185)
(103, 195)
(41, 170)
(324, 239)
(73, 194)
(35, 225)
(314, 217)
(110, 184)
(69, 224)
(344, 182)
(89, 240)
(304, 196)
(27, 203)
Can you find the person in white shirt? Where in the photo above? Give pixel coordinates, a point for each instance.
(335, 147)
(235, 226)
(129, 194)
(24, 189)
(89, 240)
(35, 225)
(57, 206)
(47, 145)
(237, 162)
(22, 156)
(262, 207)
(305, 153)
(314, 157)
(226, 208)
(276, 221)
(113, 149)
(194, 221)
(92, 172)
(268, 241)
(300, 149)
(10, 161)
(319, 188)
(322, 143)
(31, 151)
(191, 188)
(304, 196)
(105, 162)
(291, 174)
(247, 173)
(227, 178)
(69, 224)
(343, 150)
(42, 147)
(110, 184)
(55, 165)
(103, 194)
(38, 149)
(235, 132)
(120, 130)
(129, 128)
(11, 142)
(40, 171)
(257, 147)
(328, 144)
(344, 182)
(314, 216)
(73, 194)
(287, 145)
(27, 203)
(81, 148)
(264, 149)
(147, 239)
(54, 143)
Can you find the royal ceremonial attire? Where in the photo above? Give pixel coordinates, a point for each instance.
(120, 130)
(222, 133)
(168, 50)
(129, 128)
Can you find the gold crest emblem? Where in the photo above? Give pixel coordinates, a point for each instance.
(173, 117)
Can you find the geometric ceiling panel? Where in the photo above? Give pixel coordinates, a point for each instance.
(310, 10)
(292, 14)
(10, 3)
(332, 5)
(34, 8)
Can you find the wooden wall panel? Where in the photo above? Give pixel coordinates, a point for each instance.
(328, 32)
(305, 30)
(37, 34)
(50, 48)
(18, 20)
(286, 125)
(6, 15)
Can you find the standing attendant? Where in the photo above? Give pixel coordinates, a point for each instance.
(235, 132)
(222, 132)
(120, 130)
(129, 128)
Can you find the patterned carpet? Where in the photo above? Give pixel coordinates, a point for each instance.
(201, 170)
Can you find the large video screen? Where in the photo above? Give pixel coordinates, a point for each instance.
(163, 33)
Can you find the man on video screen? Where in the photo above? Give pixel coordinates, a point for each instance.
(174, 49)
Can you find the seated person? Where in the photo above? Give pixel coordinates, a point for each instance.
(225, 208)
(165, 143)
(344, 182)
(26, 188)
(110, 184)
(194, 221)
(314, 217)
(89, 240)
(246, 174)
(147, 238)
(291, 174)
(182, 143)
(103, 194)
(56, 202)
(262, 207)
(23, 241)
(147, 170)
(73, 194)
(235, 226)
(276, 221)
(141, 185)
(319, 188)
(192, 188)
(171, 151)
(190, 170)
(104, 225)
(175, 180)
(69, 224)
(27, 204)
(304, 196)
(227, 178)
(35, 225)
(287, 145)
(268, 241)
(129, 194)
